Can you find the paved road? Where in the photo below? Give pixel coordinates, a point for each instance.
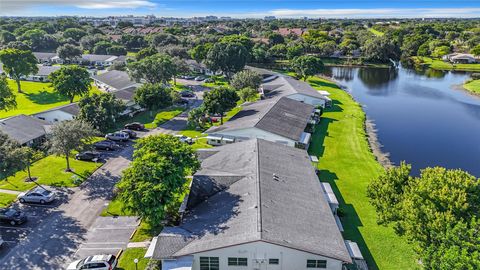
(55, 234)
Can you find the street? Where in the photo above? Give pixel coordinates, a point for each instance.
(71, 228)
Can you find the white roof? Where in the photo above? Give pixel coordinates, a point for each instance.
(354, 250)
(151, 248)
(323, 92)
(182, 263)
(305, 138)
(332, 199)
(314, 158)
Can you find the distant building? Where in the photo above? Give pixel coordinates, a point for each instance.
(269, 18)
(59, 114)
(460, 58)
(291, 31)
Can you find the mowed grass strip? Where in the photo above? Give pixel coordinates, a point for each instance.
(6, 199)
(51, 171)
(346, 162)
(36, 97)
(442, 65)
(126, 261)
(473, 86)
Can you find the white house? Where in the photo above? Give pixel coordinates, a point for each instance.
(114, 80)
(281, 120)
(460, 58)
(201, 68)
(59, 114)
(42, 74)
(97, 59)
(26, 130)
(253, 205)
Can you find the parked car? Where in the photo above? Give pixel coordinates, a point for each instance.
(209, 80)
(200, 78)
(12, 216)
(184, 139)
(131, 134)
(134, 126)
(88, 155)
(37, 195)
(187, 93)
(183, 101)
(97, 262)
(105, 145)
(117, 136)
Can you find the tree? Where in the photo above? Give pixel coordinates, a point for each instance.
(152, 185)
(162, 39)
(74, 33)
(26, 156)
(246, 78)
(101, 47)
(8, 161)
(199, 52)
(294, 50)
(196, 117)
(133, 42)
(158, 68)
(275, 38)
(181, 67)
(68, 136)
(116, 50)
(69, 52)
(153, 96)
(7, 98)
(6, 37)
(71, 81)
(248, 94)
(475, 50)
(260, 54)
(18, 63)
(145, 52)
(100, 110)
(440, 51)
(306, 66)
(219, 101)
(227, 57)
(278, 51)
(381, 49)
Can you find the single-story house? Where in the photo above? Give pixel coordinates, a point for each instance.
(126, 96)
(201, 68)
(26, 130)
(253, 205)
(42, 74)
(96, 59)
(47, 57)
(460, 58)
(114, 80)
(59, 114)
(291, 31)
(281, 120)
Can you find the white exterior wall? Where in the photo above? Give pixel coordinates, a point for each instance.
(251, 133)
(289, 259)
(308, 100)
(54, 116)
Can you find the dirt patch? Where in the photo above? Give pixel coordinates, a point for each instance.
(375, 146)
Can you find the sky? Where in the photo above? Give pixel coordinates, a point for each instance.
(246, 8)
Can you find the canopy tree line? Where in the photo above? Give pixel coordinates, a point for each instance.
(437, 211)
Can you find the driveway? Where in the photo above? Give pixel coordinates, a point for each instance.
(70, 228)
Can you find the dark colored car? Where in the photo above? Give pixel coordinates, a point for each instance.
(12, 216)
(187, 93)
(87, 155)
(134, 126)
(105, 145)
(131, 134)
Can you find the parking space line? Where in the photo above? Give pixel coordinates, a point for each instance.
(16, 228)
(98, 248)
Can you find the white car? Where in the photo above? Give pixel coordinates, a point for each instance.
(97, 262)
(1, 241)
(37, 195)
(184, 139)
(117, 136)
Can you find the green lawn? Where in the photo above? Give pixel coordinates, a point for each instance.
(151, 120)
(346, 162)
(376, 32)
(36, 97)
(473, 86)
(128, 255)
(218, 81)
(6, 199)
(51, 171)
(145, 232)
(442, 65)
(114, 208)
(200, 140)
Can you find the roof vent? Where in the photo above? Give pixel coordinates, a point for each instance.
(275, 177)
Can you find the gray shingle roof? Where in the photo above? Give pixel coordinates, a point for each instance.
(116, 79)
(285, 85)
(23, 128)
(46, 70)
(290, 210)
(98, 57)
(285, 117)
(44, 56)
(125, 94)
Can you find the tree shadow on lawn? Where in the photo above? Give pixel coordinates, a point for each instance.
(349, 218)
(45, 97)
(322, 83)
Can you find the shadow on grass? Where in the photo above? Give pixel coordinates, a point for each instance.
(322, 83)
(349, 217)
(321, 131)
(45, 97)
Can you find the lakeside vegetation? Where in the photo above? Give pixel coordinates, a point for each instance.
(473, 86)
(439, 64)
(346, 162)
(37, 97)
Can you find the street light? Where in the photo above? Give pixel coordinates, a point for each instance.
(136, 262)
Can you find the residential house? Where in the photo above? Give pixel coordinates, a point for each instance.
(96, 59)
(291, 31)
(460, 58)
(114, 80)
(282, 120)
(46, 57)
(59, 114)
(200, 68)
(253, 205)
(126, 96)
(42, 74)
(26, 130)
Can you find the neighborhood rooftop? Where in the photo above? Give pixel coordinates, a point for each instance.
(285, 117)
(23, 128)
(116, 79)
(257, 191)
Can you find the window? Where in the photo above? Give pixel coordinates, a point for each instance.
(237, 262)
(273, 261)
(316, 264)
(209, 263)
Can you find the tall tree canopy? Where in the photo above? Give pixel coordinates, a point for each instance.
(7, 98)
(246, 78)
(71, 81)
(153, 184)
(227, 57)
(100, 110)
(69, 52)
(18, 63)
(153, 96)
(306, 65)
(158, 68)
(219, 101)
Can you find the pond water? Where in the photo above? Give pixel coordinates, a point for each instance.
(421, 117)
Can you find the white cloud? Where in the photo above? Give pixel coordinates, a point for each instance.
(7, 6)
(115, 4)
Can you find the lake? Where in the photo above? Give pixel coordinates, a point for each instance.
(420, 116)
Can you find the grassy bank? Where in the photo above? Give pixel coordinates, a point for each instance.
(151, 120)
(347, 163)
(376, 32)
(126, 259)
(442, 65)
(6, 199)
(51, 171)
(473, 86)
(36, 97)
